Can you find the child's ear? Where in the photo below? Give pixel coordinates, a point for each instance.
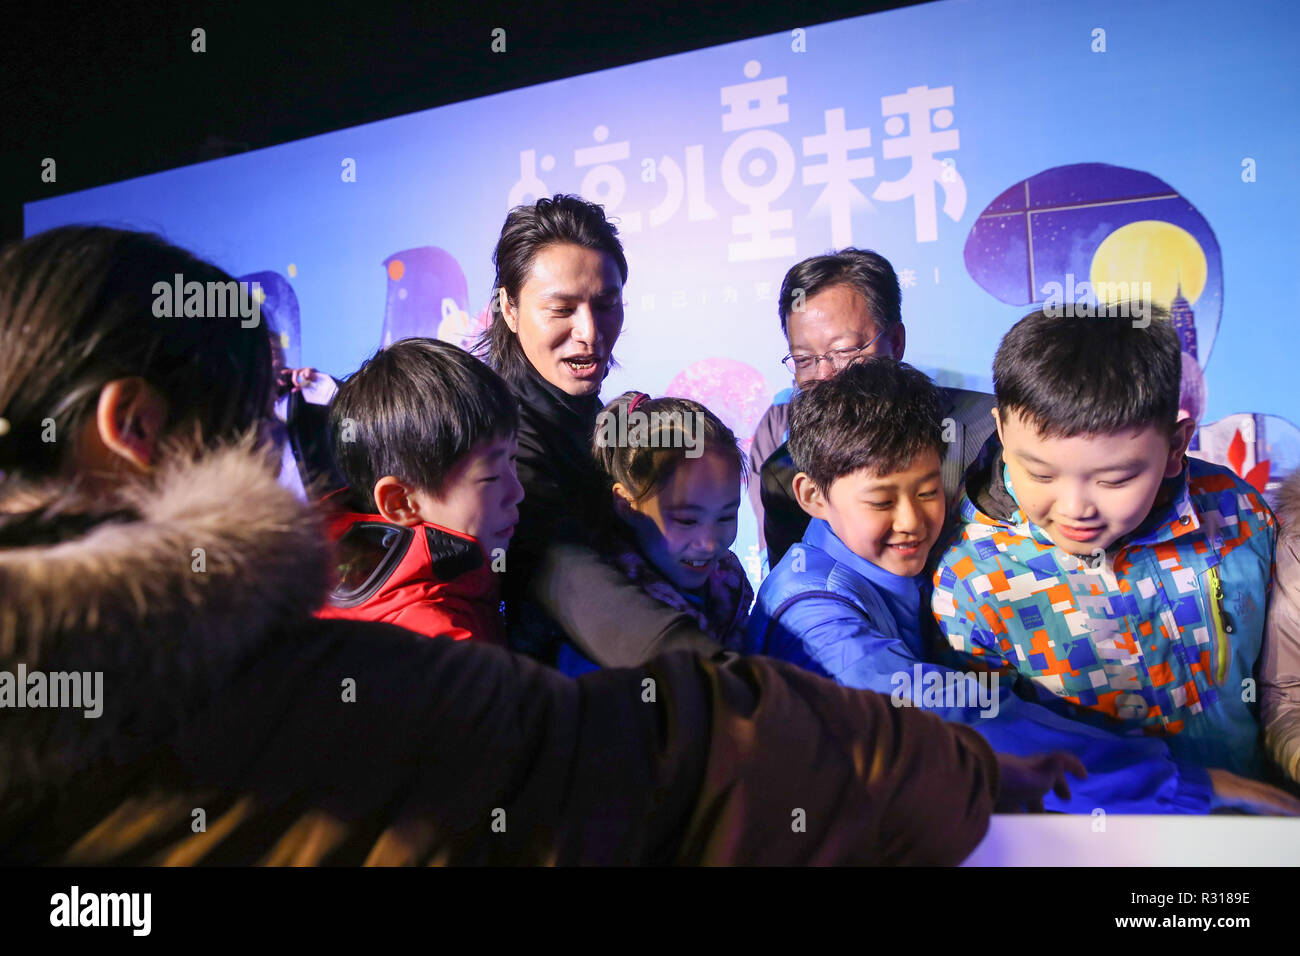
(395, 503)
(1178, 442)
(809, 496)
(997, 425)
(624, 507)
(129, 420)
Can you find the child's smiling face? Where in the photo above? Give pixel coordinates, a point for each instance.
(890, 520)
(689, 524)
(1088, 491)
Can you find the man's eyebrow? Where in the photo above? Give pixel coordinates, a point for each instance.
(577, 296)
(842, 337)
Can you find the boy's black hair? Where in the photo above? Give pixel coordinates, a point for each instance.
(877, 414)
(867, 273)
(1090, 375)
(413, 410)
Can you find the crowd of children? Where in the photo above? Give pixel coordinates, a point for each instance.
(1086, 590)
(1089, 588)
(179, 687)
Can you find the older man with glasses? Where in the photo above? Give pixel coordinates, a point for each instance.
(835, 310)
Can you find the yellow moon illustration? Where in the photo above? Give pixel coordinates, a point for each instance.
(1150, 251)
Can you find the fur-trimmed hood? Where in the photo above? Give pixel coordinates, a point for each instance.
(1288, 506)
(170, 584)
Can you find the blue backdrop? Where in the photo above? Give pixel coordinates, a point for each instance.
(1084, 138)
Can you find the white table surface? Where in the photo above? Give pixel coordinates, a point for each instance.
(1073, 840)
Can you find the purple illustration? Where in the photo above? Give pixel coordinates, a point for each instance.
(1084, 232)
(1192, 393)
(427, 296)
(280, 313)
(1072, 229)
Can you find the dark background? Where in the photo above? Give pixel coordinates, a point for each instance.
(111, 91)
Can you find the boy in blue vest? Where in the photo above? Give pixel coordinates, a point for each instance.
(851, 600)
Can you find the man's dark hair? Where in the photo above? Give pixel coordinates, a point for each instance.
(527, 231)
(869, 275)
(413, 410)
(1090, 375)
(877, 414)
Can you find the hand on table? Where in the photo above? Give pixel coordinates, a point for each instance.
(1252, 796)
(1024, 781)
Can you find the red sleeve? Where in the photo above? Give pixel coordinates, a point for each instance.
(442, 618)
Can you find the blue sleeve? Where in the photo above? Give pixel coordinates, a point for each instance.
(1125, 774)
(571, 663)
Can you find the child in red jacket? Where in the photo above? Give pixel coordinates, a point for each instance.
(424, 433)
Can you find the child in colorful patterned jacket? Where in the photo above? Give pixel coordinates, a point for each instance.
(1098, 561)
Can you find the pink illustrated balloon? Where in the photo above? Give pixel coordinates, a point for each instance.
(732, 390)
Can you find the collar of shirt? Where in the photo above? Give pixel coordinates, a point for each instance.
(902, 594)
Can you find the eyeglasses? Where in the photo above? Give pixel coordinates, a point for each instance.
(839, 358)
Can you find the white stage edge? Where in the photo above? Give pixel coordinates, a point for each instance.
(1115, 840)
